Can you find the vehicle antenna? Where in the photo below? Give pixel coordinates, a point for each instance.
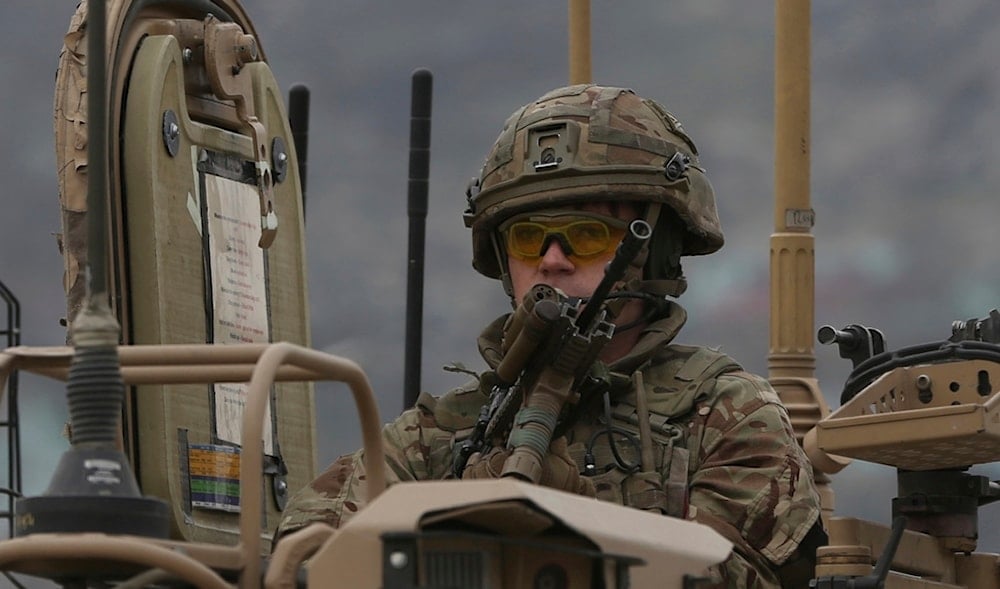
(579, 42)
(93, 488)
(420, 143)
(298, 120)
(791, 357)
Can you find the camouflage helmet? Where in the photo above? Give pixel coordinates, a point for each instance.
(594, 143)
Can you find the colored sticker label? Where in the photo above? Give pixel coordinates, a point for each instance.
(215, 477)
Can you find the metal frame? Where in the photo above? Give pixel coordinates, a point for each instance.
(204, 565)
(12, 332)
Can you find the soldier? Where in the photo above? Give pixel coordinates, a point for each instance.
(565, 176)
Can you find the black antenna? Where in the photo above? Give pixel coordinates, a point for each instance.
(298, 120)
(420, 155)
(93, 488)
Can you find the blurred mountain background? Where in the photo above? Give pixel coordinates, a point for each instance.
(904, 175)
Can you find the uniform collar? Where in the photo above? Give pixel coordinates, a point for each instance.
(654, 337)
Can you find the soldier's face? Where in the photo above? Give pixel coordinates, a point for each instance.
(556, 267)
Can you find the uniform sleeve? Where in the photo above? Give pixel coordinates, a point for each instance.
(754, 483)
(414, 446)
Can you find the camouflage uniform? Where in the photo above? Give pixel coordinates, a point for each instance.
(724, 450)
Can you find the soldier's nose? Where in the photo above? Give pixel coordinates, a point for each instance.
(554, 259)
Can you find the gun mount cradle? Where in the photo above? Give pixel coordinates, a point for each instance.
(932, 412)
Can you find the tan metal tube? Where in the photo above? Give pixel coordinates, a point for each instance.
(130, 549)
(792, 114)
(792, 250)
(196, 374)
(6, 367)
(791, 357)
(579, 42)
(162, 364)
(291, 552)
(251, 458)
(260, 364)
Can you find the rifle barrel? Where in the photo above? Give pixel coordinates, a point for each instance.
(637, 235)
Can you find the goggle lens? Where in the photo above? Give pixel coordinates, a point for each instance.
(583, 238)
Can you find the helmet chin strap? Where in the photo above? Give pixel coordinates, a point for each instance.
(633, 275)
(501, 255)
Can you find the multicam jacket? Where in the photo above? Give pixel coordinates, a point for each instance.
(724, 451)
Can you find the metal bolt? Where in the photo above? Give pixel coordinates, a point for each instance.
(282, 488)
(188, 53)
(398, 560)
(924, 391)
(171, 131)
(279, 159)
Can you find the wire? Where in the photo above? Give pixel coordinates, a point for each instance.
(610, 431)
(930, 353)
(656, 308)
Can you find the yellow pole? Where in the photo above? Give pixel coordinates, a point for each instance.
(791, 358)
(579, 42)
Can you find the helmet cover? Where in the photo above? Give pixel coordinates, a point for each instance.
(593, 143)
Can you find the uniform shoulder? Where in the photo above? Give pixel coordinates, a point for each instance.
(458, 408)
(746, 385)
(743, 403)
(689, 363)
(709, 380)
(680, 375)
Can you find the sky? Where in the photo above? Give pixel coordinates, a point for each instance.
(903, 175)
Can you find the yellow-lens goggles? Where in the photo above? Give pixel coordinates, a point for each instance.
(583, 236)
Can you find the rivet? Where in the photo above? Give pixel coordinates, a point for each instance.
(398, 560)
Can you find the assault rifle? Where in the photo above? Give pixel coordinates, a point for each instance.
(549, 352)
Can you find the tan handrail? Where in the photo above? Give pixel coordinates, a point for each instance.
(87, 547)
(252, 456)
(261, 365)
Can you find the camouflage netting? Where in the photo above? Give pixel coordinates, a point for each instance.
(70, 124)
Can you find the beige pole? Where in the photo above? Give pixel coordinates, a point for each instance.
(791, 358)
(579, 42)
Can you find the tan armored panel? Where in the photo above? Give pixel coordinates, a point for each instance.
(510, 534)
(208, 245)
(922, 417)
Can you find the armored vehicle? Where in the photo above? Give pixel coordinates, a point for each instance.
(190, 374)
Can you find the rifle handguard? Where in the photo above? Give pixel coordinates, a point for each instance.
(531, 333)
(533, 426)
(535, 423)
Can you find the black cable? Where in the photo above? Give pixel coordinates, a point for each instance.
(929, 353)
(590, 467)
(656, 308)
